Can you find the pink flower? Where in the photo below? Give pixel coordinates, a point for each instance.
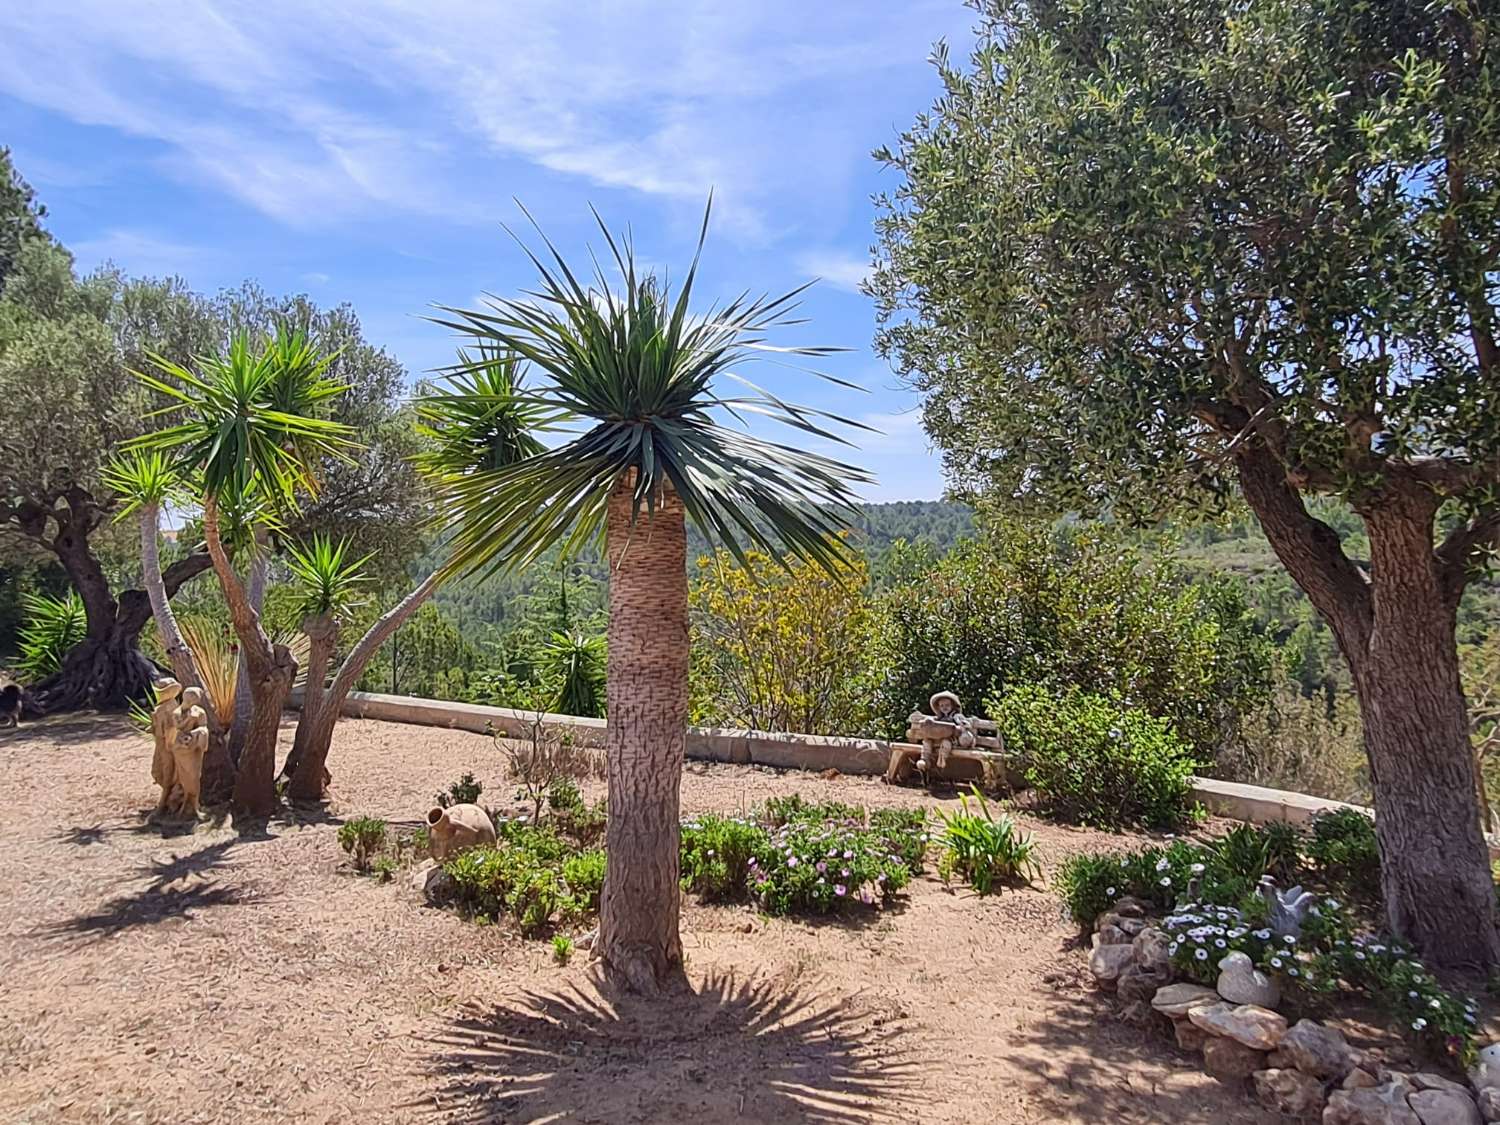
(791, 861)
(822, 866)
(839, 889)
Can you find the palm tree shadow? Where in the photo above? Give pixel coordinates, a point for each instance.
(746, 1050)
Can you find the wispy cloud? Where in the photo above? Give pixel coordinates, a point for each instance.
(842, 271)
(138, 252)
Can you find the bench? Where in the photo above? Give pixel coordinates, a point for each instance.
(988, 751)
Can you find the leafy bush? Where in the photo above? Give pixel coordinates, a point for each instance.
(718, 855)
(572, 816)
(780, 647)
(465, 791)
(532, 876)
(385, 868)
(1033, 604)
(562, 948)
(1096, 761)
(1343, 847)
(53, 626)
(362, 837)
(983, 850)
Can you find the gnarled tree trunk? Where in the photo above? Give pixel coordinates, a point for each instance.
(1395, 626)
(647, 700)
(272, 671)
(308, 765)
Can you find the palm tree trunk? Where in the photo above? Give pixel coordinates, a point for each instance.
(647, 705)
(259, 565)
(322, 636)
(272, 670)
(217, 779)
(311, 768)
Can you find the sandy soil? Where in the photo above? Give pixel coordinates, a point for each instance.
(214, 977)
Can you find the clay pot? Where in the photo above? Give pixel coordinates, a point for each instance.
(458, 828)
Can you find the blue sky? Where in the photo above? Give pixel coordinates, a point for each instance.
(368, 152)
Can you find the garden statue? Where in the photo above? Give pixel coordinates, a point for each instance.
(940, 731)
(1240, 982)
(188, 749)
(456, 828)
(1285, 910)
(164, 735)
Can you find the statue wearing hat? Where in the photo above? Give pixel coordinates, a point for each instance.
(946, 727)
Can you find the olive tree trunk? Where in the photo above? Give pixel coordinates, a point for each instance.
(647, 703)
(272, 671)
(308, 766)
(1396, 628)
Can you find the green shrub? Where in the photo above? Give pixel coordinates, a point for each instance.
(465, 791)
(562, 948)
(572, 816)
(985, 851)
(718, 855)
(1342, 846)
(53, 626)
(583, 872)
(817, 866)
(385, 868)
(362, 837)
(1093, 760)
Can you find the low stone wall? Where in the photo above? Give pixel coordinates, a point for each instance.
(791, 751)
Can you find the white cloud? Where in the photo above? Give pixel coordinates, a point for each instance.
(393, 104)
(316, 277)
(842, 271)
(138, 252)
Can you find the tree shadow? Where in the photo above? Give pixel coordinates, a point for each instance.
(1079, 1059)
(751, 1050)
(74, 728)
(158, 901)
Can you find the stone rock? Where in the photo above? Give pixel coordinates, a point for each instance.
(1257, 1028)
(1151, 952)
(1108, 962)
(1426, 1080)
(1137, 982)
(1361, 1079)
(1189, 1038)
(1320, 1051)
(1485, 1073)
(1132, 907)
(432, 882)
(458, 828)
(1176, 1000)
(1377, 1105)
(1489, 1104)
(1137, 1012)
(1111, 934)
(1240, 982)
(1231, 1061)
(1444, 1107)
(1290, 1092)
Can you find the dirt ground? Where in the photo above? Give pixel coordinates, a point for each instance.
(214, 977)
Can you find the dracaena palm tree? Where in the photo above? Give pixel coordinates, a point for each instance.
(250, 426)
(473, 421)
(632, 363)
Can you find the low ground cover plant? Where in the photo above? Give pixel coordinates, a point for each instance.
(531, 875)
(1209, 895)
(796, 857)
(362, 837)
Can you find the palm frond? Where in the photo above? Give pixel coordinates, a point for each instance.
(638, 369)
(328, 580)
(142, 477)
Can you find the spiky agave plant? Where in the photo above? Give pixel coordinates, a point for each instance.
(640, 371)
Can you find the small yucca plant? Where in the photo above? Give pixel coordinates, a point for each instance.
(53, 626)
(984, 850)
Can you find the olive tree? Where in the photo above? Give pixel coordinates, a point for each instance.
(1149, 248)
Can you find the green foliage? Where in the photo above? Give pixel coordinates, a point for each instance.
(1059, 274)
(531, 876)
(1093, 760)
(719, 855)
(629, 360)
(571, 815)
(385, 868)
(329, 580)
(562, 948)
(797, 857)
(576, 662)
(362, 837)
(465, 791)
(985, 851)
(780, 647)
(1029, 604)
(53, 626)
(1343, 848)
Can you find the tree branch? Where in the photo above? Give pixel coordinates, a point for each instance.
(184, 569)
(1461, 549)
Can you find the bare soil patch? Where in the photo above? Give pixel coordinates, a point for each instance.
(219, 977)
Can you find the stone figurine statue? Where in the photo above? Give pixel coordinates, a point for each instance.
(179, 730)
(1285, 910)
(942, 730)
